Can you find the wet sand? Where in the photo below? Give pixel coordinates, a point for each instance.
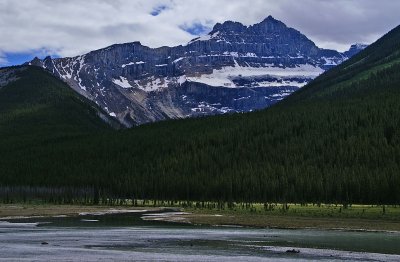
(19, 211)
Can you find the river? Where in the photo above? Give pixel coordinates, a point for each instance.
(127, 237)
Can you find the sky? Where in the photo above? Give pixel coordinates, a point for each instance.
(62, 28)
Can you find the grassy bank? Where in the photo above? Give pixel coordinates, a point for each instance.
(356, 217)
(291, 216)
(383, 212)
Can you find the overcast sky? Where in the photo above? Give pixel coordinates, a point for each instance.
(72, 27)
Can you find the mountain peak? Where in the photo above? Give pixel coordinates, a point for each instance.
(270, 18)
(269, 24)
(358, 46)
(228, 26)
(355, 49)
(35, 61)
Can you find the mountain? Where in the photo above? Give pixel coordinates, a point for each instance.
(36, 108)
(336, 140)
(235, 68)
(355, 49)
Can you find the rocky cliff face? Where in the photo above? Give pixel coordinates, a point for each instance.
(235, 68)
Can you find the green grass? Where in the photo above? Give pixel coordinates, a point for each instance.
(302, 218)
(310, 210)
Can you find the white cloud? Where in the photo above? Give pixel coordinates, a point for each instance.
(73, 27)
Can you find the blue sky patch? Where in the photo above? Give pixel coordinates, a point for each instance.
(158, 10)
(196, 29)
(20, 58)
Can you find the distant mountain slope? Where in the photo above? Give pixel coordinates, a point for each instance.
(36, 107)
(235, 68)
(369, 64)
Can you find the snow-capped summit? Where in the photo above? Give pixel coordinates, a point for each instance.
(234, 68)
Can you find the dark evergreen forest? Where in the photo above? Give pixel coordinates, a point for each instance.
(337, 140)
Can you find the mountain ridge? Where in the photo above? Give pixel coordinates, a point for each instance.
(139, 84)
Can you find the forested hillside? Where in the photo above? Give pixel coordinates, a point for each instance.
(335, 141)
(37, 108)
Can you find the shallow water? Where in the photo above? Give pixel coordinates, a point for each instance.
(122, 237)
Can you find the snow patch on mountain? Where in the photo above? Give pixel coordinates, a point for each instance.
(122, 82)
(133, 63)
(204, 37)
(225, 77)
(329, 61)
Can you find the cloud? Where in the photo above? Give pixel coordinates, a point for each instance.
(69, 28)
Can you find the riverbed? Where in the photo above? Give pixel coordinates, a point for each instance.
(129, 237)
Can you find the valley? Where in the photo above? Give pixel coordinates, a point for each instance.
(253, 141)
